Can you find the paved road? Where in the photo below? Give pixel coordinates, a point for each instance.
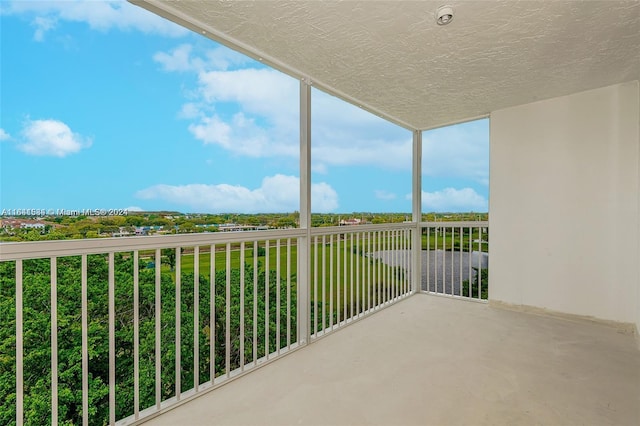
(445, 271)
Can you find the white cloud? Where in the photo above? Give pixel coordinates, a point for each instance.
(99, 15)
(254, 111)
(266, 92)
(241, 135)
(42, 24)
(277, 193)
(343, 134)
(4, 136)
(222, 58)
(134, 209)
(177, 60)
(453, 200)
(181, 59)
(267, 125)
(190, 111)
(357, 150)
(460, 151)
(384, 195)
(52, 138)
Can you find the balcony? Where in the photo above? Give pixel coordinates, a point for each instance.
(436, 361)
(127, 323)
(396, 323)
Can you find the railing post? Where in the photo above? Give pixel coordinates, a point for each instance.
(304, 244)
(416, 243)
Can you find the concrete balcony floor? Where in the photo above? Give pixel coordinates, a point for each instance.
(436, 361)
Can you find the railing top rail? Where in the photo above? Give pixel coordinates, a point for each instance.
(463, 224)
(61, 248)
(352, 229)
(42, 249)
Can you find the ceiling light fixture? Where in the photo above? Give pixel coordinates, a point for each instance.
(444, 15)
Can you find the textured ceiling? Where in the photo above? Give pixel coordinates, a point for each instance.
(391, 58)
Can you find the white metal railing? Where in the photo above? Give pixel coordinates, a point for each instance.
(357, 270)
(134, 325)
(455, 259)
(117, 330)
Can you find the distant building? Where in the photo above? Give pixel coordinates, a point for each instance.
(351, 222)
(233, 227)
(10, 223)
(146, 230)
(122, 232)
(37, 225)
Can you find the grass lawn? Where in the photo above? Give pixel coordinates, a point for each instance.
(353, 275)
(449, 239)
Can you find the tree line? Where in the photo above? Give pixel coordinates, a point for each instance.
(78, 227)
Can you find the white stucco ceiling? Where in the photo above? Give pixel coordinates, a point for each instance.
(392, 58)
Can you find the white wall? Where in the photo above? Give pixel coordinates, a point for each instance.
(565, 204)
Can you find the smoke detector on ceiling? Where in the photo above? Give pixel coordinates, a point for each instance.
(444, 15)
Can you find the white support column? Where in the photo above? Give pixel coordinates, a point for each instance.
(416, 258)
(304, 246)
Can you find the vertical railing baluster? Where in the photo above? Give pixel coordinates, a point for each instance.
(397, 263)
(394, 263)
(331, 282)
(357, 282)
(407, 265)
(278, 296)
(479, 262)
(344, 280)
(338, 281)
(158, 329)
(242, 248)
(54, 339)
(436, 261)
(227, 311)
(428, 266)
(403, 263)
(324, 282)
(314, 332)
(470, 229)
(212, 313)
(196, 318)
(351, 269)
(136, 329)
(444, 260)
(255, 303)
(85, 340)
(266, 300)
(387, 269)
(387, 249)
(288, 293)
(380, 285)
(178, 302)
(19, 347)
(453, 237)
(112, 341)
(400, 255)
(460, 247)
(390, 268)
(406, 242)
(382, 278)
(369, 282)
(353, 261)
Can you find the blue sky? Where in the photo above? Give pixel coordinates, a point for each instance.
(105, 105)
